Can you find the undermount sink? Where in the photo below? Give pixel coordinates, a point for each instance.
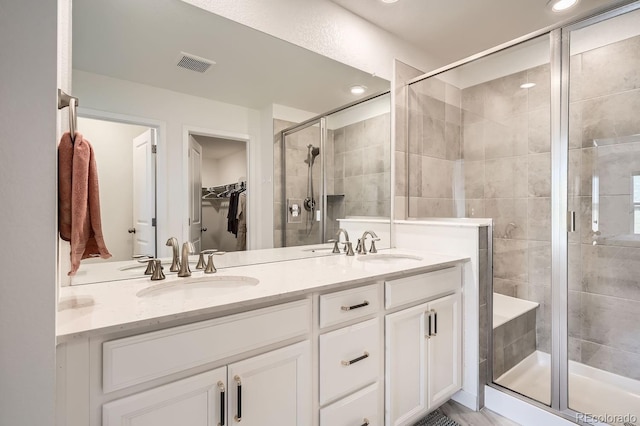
(387, 258)
(206, 286)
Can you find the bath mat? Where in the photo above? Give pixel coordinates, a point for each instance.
(436, 418)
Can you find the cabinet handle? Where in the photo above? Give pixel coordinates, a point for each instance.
(352, 307)
(435, 323)
(238, 416)
(353, 361)
(222, 402)
(366, 422)
(428, 314)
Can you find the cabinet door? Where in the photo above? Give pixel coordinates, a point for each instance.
(445, 356)
(272, 389)
(406, 365)
(194, 401)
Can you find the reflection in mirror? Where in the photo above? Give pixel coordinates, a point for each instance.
(335, 174)
(127, 163)
(125, 65)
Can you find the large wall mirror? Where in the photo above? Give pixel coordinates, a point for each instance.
(182, 106)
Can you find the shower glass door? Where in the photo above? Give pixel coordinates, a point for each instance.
(302, 189)
(604, 192)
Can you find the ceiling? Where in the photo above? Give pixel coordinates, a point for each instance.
(451, 30)
(217, 148)
(141, 41)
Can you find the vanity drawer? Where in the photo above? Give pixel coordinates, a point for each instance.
(424, 286)
(346, 305)
(349, 359)
(354, 410)
(138, 359)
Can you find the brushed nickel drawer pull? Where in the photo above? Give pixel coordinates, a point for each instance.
(222, 402)
(353, 361)
(352, 307)
(238, 416)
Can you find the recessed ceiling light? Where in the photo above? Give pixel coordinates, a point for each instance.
(527, 85)
(562, 5)
(389, 1)
(358, 90)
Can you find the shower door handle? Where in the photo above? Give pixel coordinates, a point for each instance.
(571, 221)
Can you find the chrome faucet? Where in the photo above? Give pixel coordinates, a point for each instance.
(175, 264)
(187, 249)
(361, 249)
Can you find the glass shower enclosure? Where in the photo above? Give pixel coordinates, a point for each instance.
(543, 137)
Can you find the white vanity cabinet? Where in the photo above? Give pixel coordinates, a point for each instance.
(272, 388)
(196, 401)
(350, 357)
(422, 345)
(374, 353)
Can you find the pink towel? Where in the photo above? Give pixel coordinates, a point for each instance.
(79, 200)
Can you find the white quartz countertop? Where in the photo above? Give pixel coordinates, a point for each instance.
(114, 306)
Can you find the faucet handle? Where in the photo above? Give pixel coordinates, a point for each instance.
(373, 245)
(200, 264)
(360, 248)
(348, 247)
(336, 249)
(151, 267)
(157, 272)
(211, 268)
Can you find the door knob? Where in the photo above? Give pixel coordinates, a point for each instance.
(203, 229)
(131, 230)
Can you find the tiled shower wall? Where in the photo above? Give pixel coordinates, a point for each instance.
(484, 151)
(434, 148)
(358, 175)
(362, 159)
(506, 175)
(604, 262)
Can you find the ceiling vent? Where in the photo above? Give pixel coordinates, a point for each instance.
(194, 63)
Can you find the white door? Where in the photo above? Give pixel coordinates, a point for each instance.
(144, 194)
(272, 389)
(406, 365)
(445, 355)
(195, 193)
(195, 401)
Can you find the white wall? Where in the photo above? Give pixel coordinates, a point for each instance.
(210, 172)
(28, 158)
(112, 145)
(325, 28)
(175, 111)
(233, 167)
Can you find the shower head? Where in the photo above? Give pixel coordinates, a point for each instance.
(313, 152)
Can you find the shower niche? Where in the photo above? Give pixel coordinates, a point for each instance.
(330, 170)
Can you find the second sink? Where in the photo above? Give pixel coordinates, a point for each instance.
(387, 258)
(206, 286)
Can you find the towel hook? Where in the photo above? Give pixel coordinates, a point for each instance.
(65, 100)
